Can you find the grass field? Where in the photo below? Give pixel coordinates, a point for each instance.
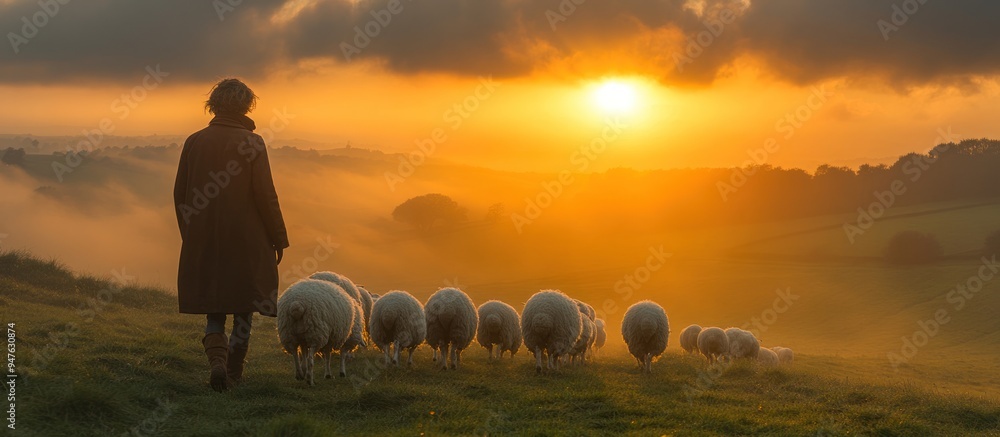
(97, 359)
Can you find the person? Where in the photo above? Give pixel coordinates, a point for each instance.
(232, 232)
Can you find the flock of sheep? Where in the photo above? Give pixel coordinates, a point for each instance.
(328, 313)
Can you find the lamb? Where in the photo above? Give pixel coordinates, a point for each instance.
(742, 344)
(602, 336)
(313, 316)
(645, 329)
(689, 338)
(499, 325)
(397, 323)
(451, 324)
(785, 355)
(767, 357)
(587, 335)
(713, 344)
(550, 323)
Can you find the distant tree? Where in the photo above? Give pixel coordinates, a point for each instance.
(13, 156)
(912, 247)
(992, 243)
(425, 212)
(495, 213)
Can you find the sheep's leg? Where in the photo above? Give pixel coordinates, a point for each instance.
(434, 356)
(298, 365)
(444, 356)
(458, 358)
(343, 365)
(409, 358)
(327, 358)
(310, 362)
(395, 356)
(649, 363)
(385, 353)
(490, 350)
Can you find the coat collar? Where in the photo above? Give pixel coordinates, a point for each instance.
(234, 120)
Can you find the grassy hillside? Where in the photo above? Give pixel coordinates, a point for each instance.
(99, 359)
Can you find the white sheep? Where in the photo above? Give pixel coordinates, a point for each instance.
(397, 323)
(586, 309)
(646, 330)
(602, 335)
(713, 344)
(689, 338)
(451, 324)
(366, 303)
(355, 339)
(742, 344)
(313, 317)
(785, 355)
(588, 333)
(550, 324)
(767, 357)
(346, 284)
(499, 325)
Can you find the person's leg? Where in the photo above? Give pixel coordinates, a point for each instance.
(217, 349)
(239, 344)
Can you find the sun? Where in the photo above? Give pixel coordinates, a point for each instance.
(615, 97)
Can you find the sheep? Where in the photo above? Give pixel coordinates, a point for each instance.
(689, 338)
(713, 344)
(587, 336)
(350, 288)
(313, 316)
(586, 309)
(602, 336)
(355, 339)
(645, 329)
(397, 322)
(451, 323)
(551, 323)
(499, 325)
(742, 344)
(785, 355)
(366, 303)
(767, 357)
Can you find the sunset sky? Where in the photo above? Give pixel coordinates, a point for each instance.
(694, 83)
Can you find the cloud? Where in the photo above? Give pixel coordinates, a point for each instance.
(797, 41)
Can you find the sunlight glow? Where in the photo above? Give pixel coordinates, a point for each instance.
(615, 97)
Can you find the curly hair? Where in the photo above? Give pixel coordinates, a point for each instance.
(230, 96)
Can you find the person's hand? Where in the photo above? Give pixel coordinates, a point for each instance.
(281, 253)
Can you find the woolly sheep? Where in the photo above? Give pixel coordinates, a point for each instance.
(551, 324)
(713, 344)
(586, 309)
(742, 344)
(767, 357)
(587, 334)
(646, 330)
(366, 303)
(355, 339)
(346, 284)
(499, 325)
(397, 322)
(451, 323)
(313, 316)
(785, 355)
(689, 338)
(602, 336)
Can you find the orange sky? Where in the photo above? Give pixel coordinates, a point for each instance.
(543, 109)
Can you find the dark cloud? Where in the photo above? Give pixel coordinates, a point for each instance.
(798, 41)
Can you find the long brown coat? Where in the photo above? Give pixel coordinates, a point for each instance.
(230, 221)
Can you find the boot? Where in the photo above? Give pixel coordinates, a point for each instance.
(217, 350)
(234, 367)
